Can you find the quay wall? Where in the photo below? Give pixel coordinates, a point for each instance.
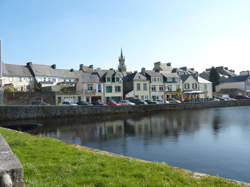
(32, 112)
(11, 170)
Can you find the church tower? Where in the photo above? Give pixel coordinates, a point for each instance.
(122, 67)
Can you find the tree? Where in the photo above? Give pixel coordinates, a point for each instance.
(214, 77)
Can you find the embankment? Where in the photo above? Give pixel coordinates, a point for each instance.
(32, 112)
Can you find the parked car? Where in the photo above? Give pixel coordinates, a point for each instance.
(138, 101)
(68, 103)
(158, 101)
(126, 102)
(219, 98)
(150, 102)
(173, 101)
(84, 103)
(113, 103)
(99, 103)
(242, 97)
(39, 103)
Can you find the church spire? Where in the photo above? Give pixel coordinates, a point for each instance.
(122, 66)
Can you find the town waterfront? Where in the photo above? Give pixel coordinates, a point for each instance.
(214, 141)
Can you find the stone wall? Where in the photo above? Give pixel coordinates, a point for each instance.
(31, 112)
(11, 170)
(26, 98)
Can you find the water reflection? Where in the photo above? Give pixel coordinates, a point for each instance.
(214, 141)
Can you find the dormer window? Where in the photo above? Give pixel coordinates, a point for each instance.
(117, 79)
(108, 79)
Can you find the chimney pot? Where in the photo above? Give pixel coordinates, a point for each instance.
(53, 66)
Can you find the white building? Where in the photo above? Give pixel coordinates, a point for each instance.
(241, 82)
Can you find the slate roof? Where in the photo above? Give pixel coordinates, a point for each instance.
(240, 78)
(153, 73)
(46, 70)
(135, 76)
(89, 78)
(185, 77)
(13, 70)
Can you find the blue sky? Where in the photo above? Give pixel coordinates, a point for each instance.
(193, 33)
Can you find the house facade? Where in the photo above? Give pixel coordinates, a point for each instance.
(90, 87)
(136, 85)
(17, 77)
(112, 84)
(241, 82)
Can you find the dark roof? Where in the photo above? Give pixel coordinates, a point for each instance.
(135, 76)
(185, 77)
(240, 78)
(15, 70)
(46, 70)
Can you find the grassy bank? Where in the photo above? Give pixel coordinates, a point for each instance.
(50, 163)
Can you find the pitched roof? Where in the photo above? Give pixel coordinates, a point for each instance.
(240, 78)
(153, 73)
(89, 77)
(15, 70)
(135, 76)
(201, 80)
(46, 70)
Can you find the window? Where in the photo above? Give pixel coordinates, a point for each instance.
(153, 88)
(117, 79)
(138, 86)
(186, 86)
(194, 86)
(169, 87)
(108, 79)
(90, 87)
(117, 88)
(145, 87)
(161, 88)
(109, 89)
(205, 87)
(99, 88)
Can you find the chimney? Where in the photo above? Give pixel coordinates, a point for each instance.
(192, 69)
(169, 64)
(143, 70)
(81, 67)
(184, 68)
(226, 68)
(53, 66)
(91, 66)
(28, 64)
(71, 70)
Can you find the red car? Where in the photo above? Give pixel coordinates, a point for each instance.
(113, 103)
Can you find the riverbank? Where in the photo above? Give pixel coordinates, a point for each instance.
(33, 112)
(50, 162)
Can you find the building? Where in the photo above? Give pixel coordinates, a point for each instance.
(136, 85)
(17, 77)
(122, 67)
(172, 85)
(155, 79)
(224, 73)
(90, 87)
(240, 83)
(48, 76)
(112, 84)
(206, 87)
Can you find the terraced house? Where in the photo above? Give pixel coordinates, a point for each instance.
(136, 85)
(156, 84)
(112, 84)
(17, 77)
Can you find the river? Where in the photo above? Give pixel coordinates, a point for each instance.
(215, 141)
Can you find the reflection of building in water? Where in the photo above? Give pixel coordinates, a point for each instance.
(81, 134)
(101, 131)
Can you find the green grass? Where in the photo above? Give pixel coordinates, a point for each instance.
(49, 162)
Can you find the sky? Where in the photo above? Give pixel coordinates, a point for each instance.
(193, 33)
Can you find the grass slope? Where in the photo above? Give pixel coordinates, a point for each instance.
(49, 162)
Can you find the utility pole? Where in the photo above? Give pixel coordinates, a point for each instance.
(1, 75)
